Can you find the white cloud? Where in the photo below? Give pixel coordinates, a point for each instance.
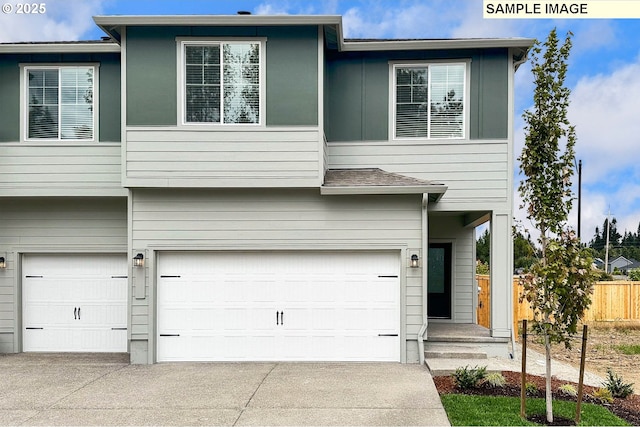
(63, 20)
(604, 111)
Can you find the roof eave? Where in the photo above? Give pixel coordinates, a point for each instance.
(362, 46)
(436, 190)
(112, 24)
(60, 48)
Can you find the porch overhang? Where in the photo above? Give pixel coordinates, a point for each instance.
(377, 181)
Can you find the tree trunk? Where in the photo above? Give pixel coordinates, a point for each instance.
(548, 396)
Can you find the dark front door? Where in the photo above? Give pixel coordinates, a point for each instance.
(439, 281)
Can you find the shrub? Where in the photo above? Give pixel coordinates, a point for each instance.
(634, 274)
(482, 268)
(531, 389)
(603, 395)
(495, 380)
(568, 390)
(616, 386)
(469, 377)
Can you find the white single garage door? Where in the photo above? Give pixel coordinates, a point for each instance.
(260, 306)
(74, 302)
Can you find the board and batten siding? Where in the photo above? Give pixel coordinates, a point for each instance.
(260, 157)
(64, 170)
(52, 225)
(451, 229)
(475, 172)
(291, 72)
(254, 220)
(357, 89)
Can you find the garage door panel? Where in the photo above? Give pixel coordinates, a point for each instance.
(54, 314)
(174, 290)
(175, 348)
(329, 303)
(74, 302)
(384, 320)
(324, 319)
(262, 318)
(203, 319)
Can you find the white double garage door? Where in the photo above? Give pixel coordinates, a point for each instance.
(231, 306)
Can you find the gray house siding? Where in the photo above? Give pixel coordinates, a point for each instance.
(109, 91)
(357, 93)
(291, 72)
(61, 168)
(171, 157)
(52, 225)
(278, 220)
(476, 172)
(54, 169)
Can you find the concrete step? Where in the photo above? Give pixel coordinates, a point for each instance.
(443, 366)
(454, 353)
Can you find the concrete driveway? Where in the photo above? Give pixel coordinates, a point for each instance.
(55, 389)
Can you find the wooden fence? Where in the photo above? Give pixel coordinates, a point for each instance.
(611, 301)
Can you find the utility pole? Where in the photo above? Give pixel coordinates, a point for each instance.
(606, 253)
(579, 196)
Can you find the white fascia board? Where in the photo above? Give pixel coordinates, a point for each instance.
(111, 24)
(205, 20)
(362, 46)
(60, 48)
(383, 189)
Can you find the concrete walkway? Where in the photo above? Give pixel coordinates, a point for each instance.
(536, 365)
(106, 390)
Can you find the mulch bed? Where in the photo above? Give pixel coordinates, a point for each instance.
(627, 409)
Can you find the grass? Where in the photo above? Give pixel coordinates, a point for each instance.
(628, 349)
(466, 410)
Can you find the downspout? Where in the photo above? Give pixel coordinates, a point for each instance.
(425, 253)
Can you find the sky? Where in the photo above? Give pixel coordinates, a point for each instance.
(604, 72)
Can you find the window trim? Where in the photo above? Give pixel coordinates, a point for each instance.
(24, 101)
(181, 43)
(393, 65)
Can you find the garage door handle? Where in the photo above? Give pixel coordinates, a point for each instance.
(387, 335)
(78, 313)
(169, 335)
(33, 328)
(118, 329)
(279, 317)
(75, 313)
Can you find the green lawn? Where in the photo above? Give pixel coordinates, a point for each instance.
(628, 349)
(465, 410)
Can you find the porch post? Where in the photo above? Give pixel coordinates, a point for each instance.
(501, 274)
(422, 334)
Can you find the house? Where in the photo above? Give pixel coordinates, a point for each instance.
(622, 263)
(252, 188)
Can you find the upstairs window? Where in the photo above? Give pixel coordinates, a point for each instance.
(60, 102)
(429, 101)
(222, 82)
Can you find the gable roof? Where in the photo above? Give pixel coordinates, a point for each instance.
(377, 181)
(113, 25)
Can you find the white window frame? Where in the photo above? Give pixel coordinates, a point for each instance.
(24, 100)
(394, 65)
(181, 43)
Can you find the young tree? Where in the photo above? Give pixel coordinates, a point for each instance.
(558, 288)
